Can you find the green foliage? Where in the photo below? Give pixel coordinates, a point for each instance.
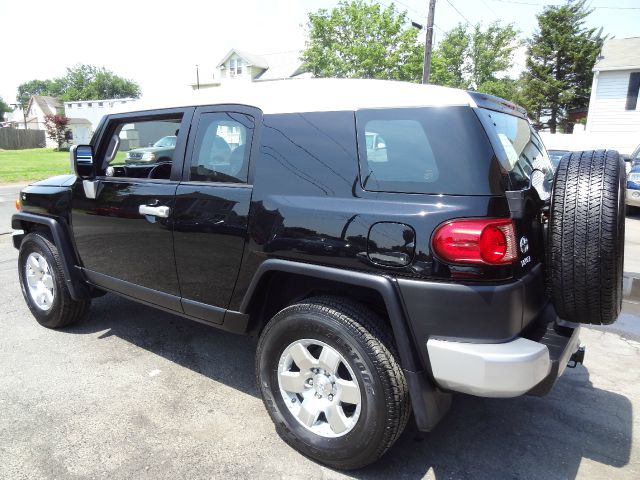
(474, 58)
(4, 108)
(449, 64)
(81, 82)
(38, 87)
(357, 40)
(560, 57)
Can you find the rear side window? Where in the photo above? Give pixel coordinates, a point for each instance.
(520, 151)
(425, 150)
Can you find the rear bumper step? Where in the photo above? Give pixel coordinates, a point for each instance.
(523, 365)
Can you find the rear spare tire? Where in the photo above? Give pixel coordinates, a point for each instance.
(586, 237)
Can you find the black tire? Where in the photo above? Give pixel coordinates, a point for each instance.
(362, 338)
(586, 237)
(63, 309)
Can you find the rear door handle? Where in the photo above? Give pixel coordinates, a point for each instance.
(162, 211)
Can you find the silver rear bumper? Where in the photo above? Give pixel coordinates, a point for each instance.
(492, 370)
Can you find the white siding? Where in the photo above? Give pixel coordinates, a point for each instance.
(607, 110)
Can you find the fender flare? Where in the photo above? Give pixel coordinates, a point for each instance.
(429, 403)
(76, 284)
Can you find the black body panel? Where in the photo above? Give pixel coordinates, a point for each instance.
(308, 205)
(112, 238)
(477, 313)
(210, 225)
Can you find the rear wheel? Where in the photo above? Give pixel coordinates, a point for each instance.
(586, 237)
(43, 284)
(329, 377)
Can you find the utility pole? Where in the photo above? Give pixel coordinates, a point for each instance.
(198, 76)
(428, 44)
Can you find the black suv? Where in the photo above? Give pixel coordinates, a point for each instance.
(389, 243)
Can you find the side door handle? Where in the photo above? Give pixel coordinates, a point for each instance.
(162, 211)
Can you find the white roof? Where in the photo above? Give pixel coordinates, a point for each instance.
(311, 95)
(619, 54)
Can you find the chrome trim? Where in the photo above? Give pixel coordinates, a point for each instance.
(162, 211)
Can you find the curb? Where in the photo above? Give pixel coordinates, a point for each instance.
(631, 286)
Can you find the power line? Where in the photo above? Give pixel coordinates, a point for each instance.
(459, 13)
(607, 7)
(492, 10)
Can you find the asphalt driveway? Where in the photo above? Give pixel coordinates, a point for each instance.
(136, 393)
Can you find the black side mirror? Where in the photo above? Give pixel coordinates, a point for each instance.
(82, 161)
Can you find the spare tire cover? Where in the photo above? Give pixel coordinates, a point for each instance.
(585, 249)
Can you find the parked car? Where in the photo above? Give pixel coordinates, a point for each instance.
(555, 156)
(378, 285)
(635, 157)
(161, 151)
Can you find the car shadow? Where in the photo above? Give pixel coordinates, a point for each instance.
(525, 437)
(218, 355)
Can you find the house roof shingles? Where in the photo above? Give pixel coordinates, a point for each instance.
(619, 54)
(48, 105)
(282, 65)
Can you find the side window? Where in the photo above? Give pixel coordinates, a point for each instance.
(398, 151)
(221, 152)
(141, 149)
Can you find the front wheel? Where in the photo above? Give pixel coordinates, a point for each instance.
(329, 377)
(43, 285)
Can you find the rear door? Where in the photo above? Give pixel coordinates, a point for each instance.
(524, 159)
(212, 207)
(122, 220)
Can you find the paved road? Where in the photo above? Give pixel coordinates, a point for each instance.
(8, 195)
(136, 393)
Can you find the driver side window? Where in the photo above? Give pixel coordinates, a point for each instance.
(142, 149)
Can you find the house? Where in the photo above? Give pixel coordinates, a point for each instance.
(85, 115)
(240, 66)
(614, 107)
(38, 108)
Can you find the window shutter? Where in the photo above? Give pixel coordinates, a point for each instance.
(632, 92)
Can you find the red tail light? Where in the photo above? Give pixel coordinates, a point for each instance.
(487, 241)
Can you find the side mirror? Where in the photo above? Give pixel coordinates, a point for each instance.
(81, 157)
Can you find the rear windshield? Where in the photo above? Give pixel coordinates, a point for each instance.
(519, 150)
(425, 150)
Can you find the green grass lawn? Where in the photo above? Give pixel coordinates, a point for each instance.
(32, 164)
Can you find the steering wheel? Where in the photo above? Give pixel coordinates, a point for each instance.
(161, 171)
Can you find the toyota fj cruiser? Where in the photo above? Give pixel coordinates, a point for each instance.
(389, 243)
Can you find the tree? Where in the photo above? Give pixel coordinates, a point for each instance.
(38, 87)
(87, 82)
(560, 58)
(81, 82)
(4, 108)
(56, 126)
(476, 58)
(357, 40)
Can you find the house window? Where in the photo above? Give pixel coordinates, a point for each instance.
(235, 67)
(100, 104)
(89, 104)
(632, 92)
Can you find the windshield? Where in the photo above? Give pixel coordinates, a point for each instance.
(520, 151)
(166, 142)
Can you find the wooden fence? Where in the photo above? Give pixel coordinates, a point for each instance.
(14, 139)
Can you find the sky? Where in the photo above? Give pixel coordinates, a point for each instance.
(158, 43)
